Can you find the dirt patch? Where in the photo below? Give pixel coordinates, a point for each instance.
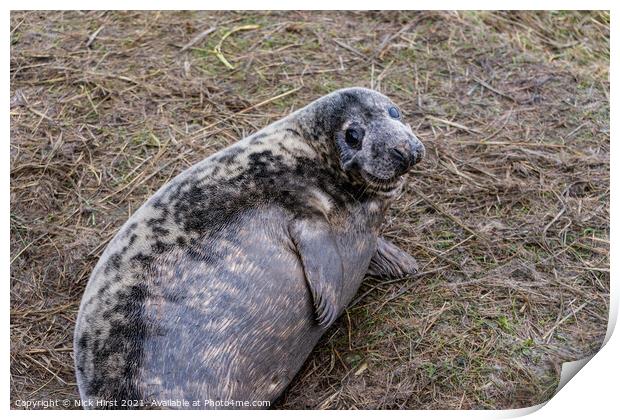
(508, 215)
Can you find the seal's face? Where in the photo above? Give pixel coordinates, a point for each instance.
(375, 146)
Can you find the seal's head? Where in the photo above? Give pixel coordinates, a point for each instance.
(373, 145)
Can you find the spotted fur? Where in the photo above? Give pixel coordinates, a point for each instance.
(220, 285)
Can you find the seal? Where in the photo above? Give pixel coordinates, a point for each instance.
(217, 289)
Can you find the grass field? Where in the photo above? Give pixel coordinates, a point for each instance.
(508, 215)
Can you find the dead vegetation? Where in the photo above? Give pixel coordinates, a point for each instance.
(508, 215)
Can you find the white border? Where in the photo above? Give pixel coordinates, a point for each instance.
(594, 393)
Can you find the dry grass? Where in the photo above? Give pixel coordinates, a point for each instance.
(508, 215)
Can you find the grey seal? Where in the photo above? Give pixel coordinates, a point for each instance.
(218, 288)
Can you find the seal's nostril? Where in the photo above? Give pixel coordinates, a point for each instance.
(418, 154)
(417, 150)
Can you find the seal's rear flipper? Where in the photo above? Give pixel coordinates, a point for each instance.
(391, 262)
(322, 266)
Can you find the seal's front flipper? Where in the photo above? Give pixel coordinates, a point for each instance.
(322, 264)
(391, 262)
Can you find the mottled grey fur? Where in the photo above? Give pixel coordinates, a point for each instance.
(221, 284)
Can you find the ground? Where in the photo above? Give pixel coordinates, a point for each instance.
(508, 214)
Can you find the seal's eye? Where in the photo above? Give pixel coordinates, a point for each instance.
(394, 113)
(353, 136)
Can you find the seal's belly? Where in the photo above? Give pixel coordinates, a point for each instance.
(232, 316)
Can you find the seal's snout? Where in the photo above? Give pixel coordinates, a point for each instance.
(417, 150)
(407, 155)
